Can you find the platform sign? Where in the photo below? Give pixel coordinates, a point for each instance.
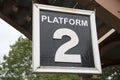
(64, 40)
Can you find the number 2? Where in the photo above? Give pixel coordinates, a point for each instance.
(60, 55)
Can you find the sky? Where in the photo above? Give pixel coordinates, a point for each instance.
(8, 36)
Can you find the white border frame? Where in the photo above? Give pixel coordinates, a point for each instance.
(36, 42)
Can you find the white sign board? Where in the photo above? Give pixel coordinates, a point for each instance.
(64, 40)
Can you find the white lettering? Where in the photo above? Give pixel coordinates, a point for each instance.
(55, 20)
(43, 18)
(63, 20)
(49, 20)
(71, 21)
(84, 23)
(60, 18)
(78, 22)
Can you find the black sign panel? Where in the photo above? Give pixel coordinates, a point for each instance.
(49, 45)
(63, 39)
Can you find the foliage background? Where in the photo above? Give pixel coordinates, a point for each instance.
(18, 66)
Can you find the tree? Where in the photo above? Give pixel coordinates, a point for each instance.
(17, 65)
(111, 73)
